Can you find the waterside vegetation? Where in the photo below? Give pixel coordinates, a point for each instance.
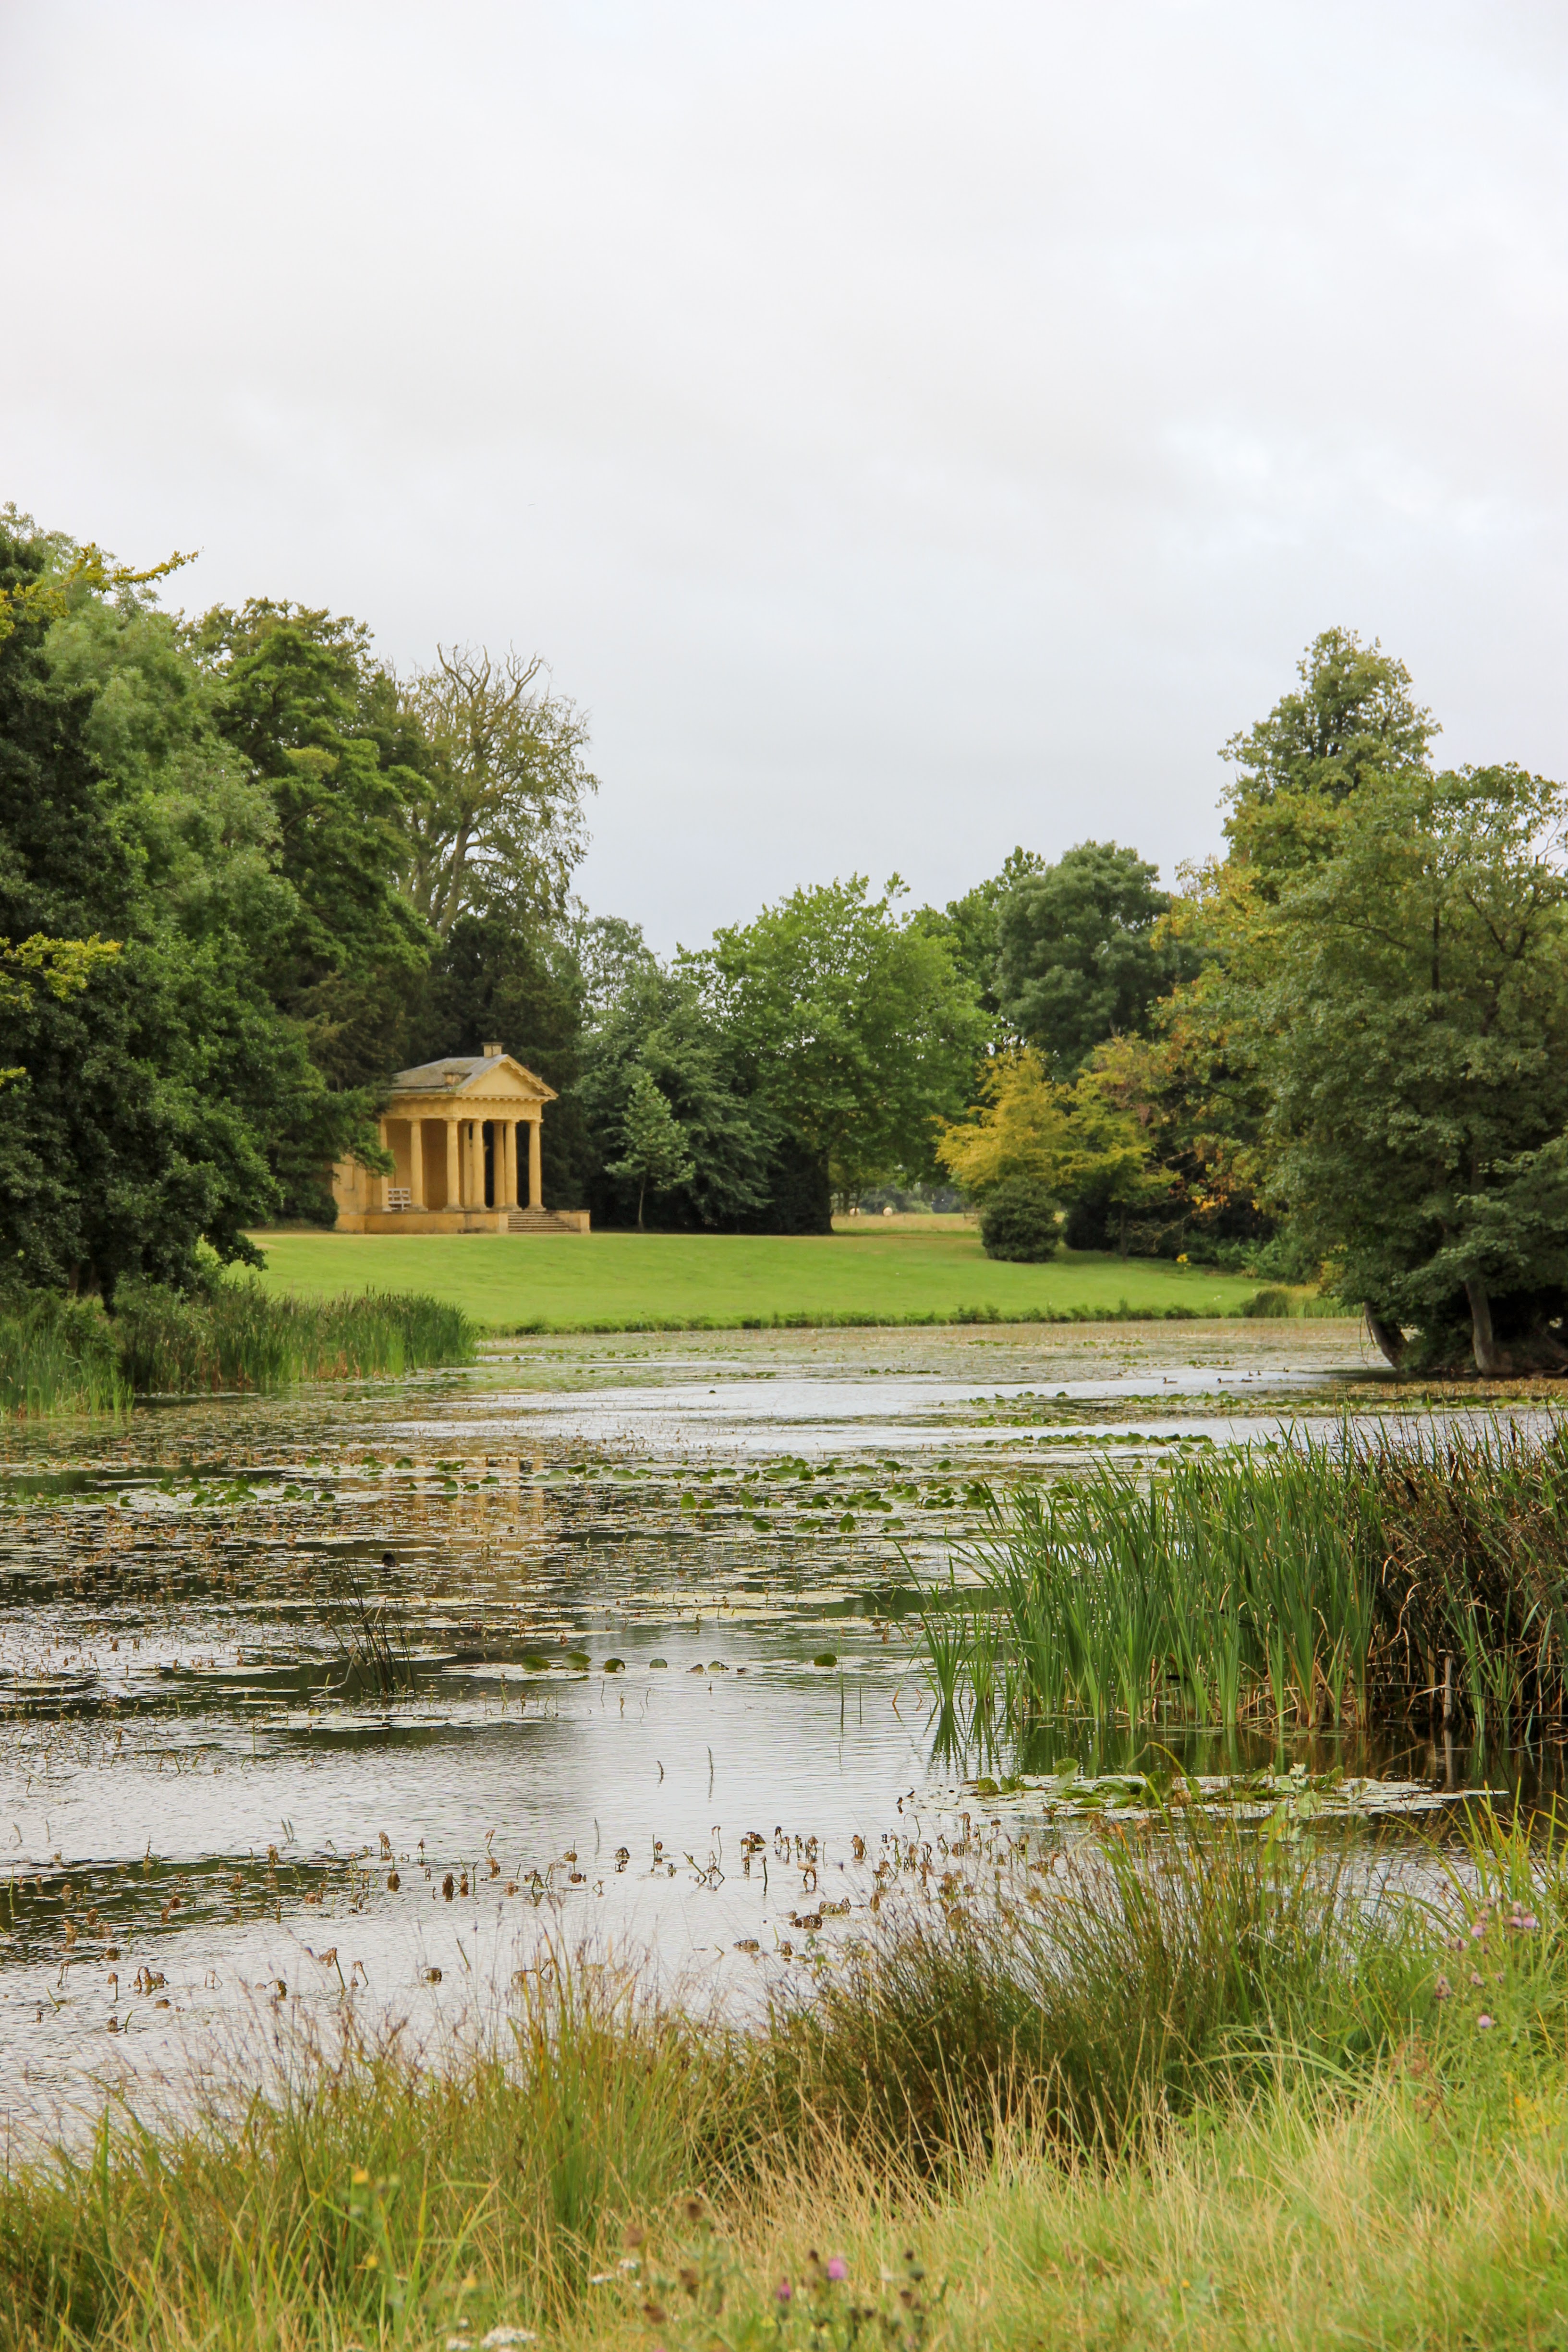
(63, 1355)
(1216, 2102)
(1311, 1582)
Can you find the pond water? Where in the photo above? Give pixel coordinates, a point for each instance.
(646, 1620)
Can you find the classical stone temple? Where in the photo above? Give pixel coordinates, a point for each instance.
(463, 1132)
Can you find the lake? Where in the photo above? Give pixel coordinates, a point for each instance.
(646, 1606)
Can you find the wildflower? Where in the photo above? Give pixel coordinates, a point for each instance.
(1443, 1988)
(782, 2291)
(1484, 2021)
(500, 2337)
(837, 2268)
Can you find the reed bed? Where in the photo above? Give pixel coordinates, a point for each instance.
(58, 1355)
(1317, 1583)
(61, 1355)
(363, 2189)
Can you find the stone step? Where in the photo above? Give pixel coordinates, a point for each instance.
(539, 1220)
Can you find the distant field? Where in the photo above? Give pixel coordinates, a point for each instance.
(611, 1281)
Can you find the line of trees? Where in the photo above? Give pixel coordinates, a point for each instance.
(246, 870)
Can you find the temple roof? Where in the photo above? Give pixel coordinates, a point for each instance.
(462, 1074)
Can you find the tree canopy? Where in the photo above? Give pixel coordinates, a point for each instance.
(1080, 956)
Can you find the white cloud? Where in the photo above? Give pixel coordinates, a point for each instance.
(910, 430)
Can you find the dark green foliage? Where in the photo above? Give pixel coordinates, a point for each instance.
(1019, 1221)
(1077, 960)
(496, 976)
(299, 696)
(169, 1103)
(660, 1031)
(970, 926)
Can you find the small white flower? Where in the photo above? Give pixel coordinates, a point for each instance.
(501, 2336)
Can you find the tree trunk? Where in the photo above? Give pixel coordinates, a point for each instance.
(1490, 1361)
(1388, 1337)
(642, 1190)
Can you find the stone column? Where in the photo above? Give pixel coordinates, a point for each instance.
(469, 1196)
(416, 1163)
(535, 1179)
(454, 1180)
(509, 1166)
(379, 1185)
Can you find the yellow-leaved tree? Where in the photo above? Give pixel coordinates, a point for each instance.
(1064, 1138)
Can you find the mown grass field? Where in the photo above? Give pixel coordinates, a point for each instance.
(629, 1281)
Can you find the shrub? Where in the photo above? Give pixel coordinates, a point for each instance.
(1019, 1221)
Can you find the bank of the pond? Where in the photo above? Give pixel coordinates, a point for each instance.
(1216, 2103)
(62, 1355)
(618, 1281)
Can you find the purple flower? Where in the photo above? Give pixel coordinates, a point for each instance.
(782, 2291)
(1484, 2021)
(837, 2268)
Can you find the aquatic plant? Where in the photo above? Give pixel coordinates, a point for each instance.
(59, 1355)
(1308, 1582)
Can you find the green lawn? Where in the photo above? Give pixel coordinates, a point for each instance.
(629, 1281)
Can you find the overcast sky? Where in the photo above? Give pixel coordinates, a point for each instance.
(909, 430)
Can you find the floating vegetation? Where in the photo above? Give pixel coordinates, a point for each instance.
(1306, 1583)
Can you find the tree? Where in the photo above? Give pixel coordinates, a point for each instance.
(1079, 958)
(655, 1151)
(970, 926)
(1069, 1141)
(658, 1027)
(1412, 1033)
(496, 976)
(300, 698)
(854, 1029)
(502, 821)
(1351, 727)
(166, 1102)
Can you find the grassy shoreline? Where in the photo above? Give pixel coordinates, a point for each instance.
(1214, 2103)
(617, 1282)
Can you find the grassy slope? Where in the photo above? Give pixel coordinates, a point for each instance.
(616, 1280)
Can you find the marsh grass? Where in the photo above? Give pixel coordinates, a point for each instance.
(994, 2117)
(58, 1355)
(1314, 1583)
(62, 1355)
(241, 1336)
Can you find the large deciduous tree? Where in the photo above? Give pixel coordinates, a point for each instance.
(1079, 957)
(1413, 1032)
(502, 821)
(853, 1025)
(168, 1101)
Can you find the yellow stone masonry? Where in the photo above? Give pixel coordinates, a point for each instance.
(452, 1129)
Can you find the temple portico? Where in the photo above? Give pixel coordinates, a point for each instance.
(463, 1135)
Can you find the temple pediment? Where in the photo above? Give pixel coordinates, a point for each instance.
(497, 1077)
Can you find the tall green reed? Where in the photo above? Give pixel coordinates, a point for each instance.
(62, 1355)
(1310, 1583)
